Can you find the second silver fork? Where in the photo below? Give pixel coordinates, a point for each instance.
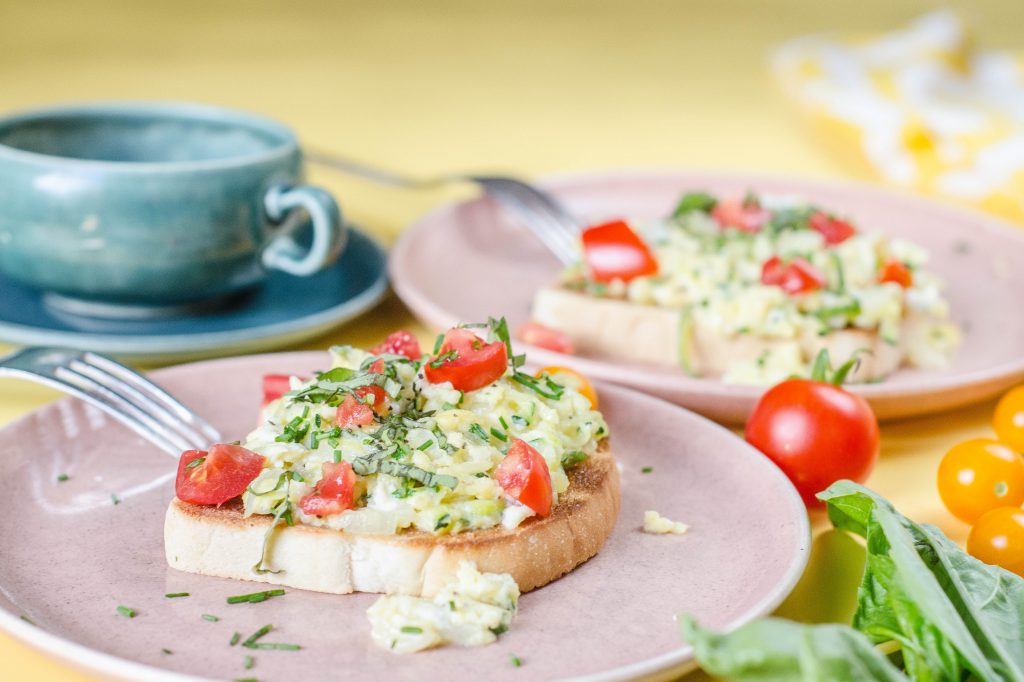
(541, 213)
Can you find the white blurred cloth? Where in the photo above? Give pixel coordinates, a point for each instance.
(920, 106)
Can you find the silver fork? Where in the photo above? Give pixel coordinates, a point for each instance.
(121, 392)
(542, 214)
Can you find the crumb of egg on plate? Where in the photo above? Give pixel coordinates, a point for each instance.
(657, 524)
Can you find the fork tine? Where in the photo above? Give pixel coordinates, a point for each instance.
(566, 228)
(144, 403)
(153, 392)
(570, 225)
(539, 221)
(122, 410)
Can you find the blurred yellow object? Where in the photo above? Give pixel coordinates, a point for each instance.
(919, 107)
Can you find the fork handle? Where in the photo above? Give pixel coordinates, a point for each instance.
(385, 177)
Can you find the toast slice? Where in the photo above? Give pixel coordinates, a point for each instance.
(620, 330)
(222, 542)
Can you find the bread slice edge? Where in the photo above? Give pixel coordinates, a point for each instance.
(222, 542)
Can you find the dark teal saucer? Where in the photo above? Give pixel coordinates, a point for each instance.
(284, 310)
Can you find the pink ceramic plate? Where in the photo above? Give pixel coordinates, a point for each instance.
(71, 556)
(466, 261)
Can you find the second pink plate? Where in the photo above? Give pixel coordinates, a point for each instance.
(467, 261)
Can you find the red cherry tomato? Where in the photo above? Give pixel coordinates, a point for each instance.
(275, 386)
(399, 343)
(816, 433)
(545, 337)
(834, 230)
(333, 493)
(796, 277)
(997, 538)
(895, 271)
(353, 412)
(524, 476)
(1008, 420)
(614, 251)
(978, 475)
(467, 361)
(747, 216)
(217, 475)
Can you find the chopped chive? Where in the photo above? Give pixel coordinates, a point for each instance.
(234, 639)
(438, 342)
(499, 434)
(27, 619)
(337, 456)
(516, 661)
(425, 445)
(256, 635)
(255, 597)
(412, 630)
(196, 462)
(247, 679)
(167, 651)
(210, 617)
(248, 662)
(478, 431)
(175, 595)
(281, 646)
(62, 477)
(504, 424)
(647, 470)
(115, 499)
(127, 612)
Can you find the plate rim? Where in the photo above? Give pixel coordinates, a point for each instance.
(225, 341)
(428, 310)
(680, 660)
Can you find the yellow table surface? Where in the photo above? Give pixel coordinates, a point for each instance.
(524, 87)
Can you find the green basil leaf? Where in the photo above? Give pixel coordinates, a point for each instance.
(776, 650)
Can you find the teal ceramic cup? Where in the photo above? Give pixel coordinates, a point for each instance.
(125, 206)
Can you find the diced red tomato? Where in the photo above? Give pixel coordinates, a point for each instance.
(380, 398)
(524, 476)
(545, 337)
(217, 475)
(353, 413)
(748, 216)
(796, 277)
(333, 493)
(834, 230)
(275, 386)
(895, 271)
(377, 367)
(614, 251)
(467, 361)
(399, 343)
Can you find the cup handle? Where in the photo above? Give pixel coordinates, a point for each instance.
(330, 234)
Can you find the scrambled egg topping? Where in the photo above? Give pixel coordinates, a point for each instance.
(471, 610)
(658, 524)
(444, 445)
(713, 275)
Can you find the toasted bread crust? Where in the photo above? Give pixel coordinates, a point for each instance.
(221, 541)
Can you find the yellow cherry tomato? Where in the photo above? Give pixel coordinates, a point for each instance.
(573, 379)
(979, 475)
(998, 538)
(1009, 419)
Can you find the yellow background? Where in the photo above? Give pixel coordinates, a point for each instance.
(523, 87)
